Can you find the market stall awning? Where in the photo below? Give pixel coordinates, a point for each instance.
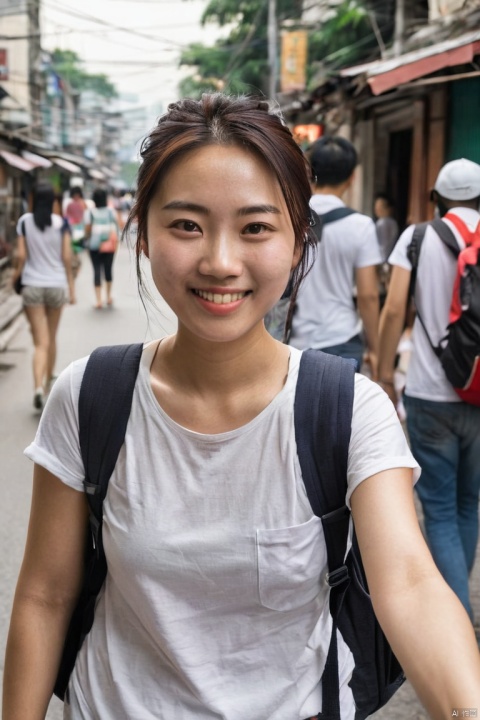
(96, 174)
(384, 75)
(67, 165)
(36, 160)
(17, 161)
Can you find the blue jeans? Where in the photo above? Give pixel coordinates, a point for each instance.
(352, 349)
(445, 440)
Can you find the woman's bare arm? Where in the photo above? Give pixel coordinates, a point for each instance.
(20, 258)
(48, 586)
(67, 261)
(424, 621)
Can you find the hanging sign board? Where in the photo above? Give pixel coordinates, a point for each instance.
(294, 60)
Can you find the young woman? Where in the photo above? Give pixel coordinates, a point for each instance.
(99, 224)
(207, 502)
(75, 214)
(44, 264)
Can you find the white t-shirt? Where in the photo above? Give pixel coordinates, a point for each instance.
(433, 296)
(387, 234)
(44, 265)
(215, 603)
(325, 314)
(103, 221)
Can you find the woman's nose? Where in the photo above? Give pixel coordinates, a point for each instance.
(220, 257)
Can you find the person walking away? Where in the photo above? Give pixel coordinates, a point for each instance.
(444, 431)
(385, 225)
(101, 226)
(216, 603)
(44, 266)
(325, 316)
(75, 215)
(387, 234)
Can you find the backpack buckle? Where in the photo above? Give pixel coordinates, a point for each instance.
(338, 576)
(95, 531)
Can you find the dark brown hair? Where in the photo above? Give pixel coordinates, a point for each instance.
(219, 119)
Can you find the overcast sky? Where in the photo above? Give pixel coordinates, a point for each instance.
(135, 42)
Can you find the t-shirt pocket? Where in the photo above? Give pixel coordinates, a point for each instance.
(291, 565)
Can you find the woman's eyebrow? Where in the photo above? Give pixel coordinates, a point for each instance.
(193, 207)
(183, 205)
(254, 209)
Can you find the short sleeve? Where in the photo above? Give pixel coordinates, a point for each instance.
(21, 220)
(377, 441)
(56, 445)
(368, 249)
(399, 254)
(87, 217)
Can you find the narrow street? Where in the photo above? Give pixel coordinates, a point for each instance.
(83, 328)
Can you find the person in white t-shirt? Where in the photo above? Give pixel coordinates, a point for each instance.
(346, 258)
(385, 225)
(215, 603)
(444, 431)
(44, 264)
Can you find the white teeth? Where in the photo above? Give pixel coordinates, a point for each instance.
(219, 299)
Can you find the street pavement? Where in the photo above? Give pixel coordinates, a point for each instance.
(81, 329)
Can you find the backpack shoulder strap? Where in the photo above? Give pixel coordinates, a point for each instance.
(104, 407)
(413, 253)
(337, 214)
(323, 422)
(323, 419)
(446, 235)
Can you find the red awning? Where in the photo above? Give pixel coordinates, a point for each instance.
(460, 56)
(16, 161)
(384, 75)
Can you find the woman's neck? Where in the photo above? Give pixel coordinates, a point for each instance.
(220, 367)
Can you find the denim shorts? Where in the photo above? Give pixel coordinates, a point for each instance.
(50, 297)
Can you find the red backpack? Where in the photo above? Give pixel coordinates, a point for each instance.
(459, 350)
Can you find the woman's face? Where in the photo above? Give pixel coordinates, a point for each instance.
(220, 242)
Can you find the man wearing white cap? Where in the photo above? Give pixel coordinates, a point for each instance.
(444, 431)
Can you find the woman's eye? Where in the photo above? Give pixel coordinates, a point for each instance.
(255, 229)
(186, 225)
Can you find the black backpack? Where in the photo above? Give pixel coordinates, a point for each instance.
(323, 409)
(459, 351)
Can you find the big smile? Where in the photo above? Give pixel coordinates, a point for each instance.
(220, 298)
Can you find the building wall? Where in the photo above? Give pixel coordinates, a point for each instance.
(463, 120)
(16, 108)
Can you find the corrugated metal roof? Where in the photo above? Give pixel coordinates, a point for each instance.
(379, 67)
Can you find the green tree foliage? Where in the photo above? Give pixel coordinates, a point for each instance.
(238, 62)
(68, 65)
(347, 37)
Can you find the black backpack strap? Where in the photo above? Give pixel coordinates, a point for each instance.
(318, 221)
(413, 251)
(447, 237)
(337, 214)
(104, 406)
(323, 419)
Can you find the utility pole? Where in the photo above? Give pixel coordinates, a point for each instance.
(34, 50)
(272, 48)
(399, 28)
